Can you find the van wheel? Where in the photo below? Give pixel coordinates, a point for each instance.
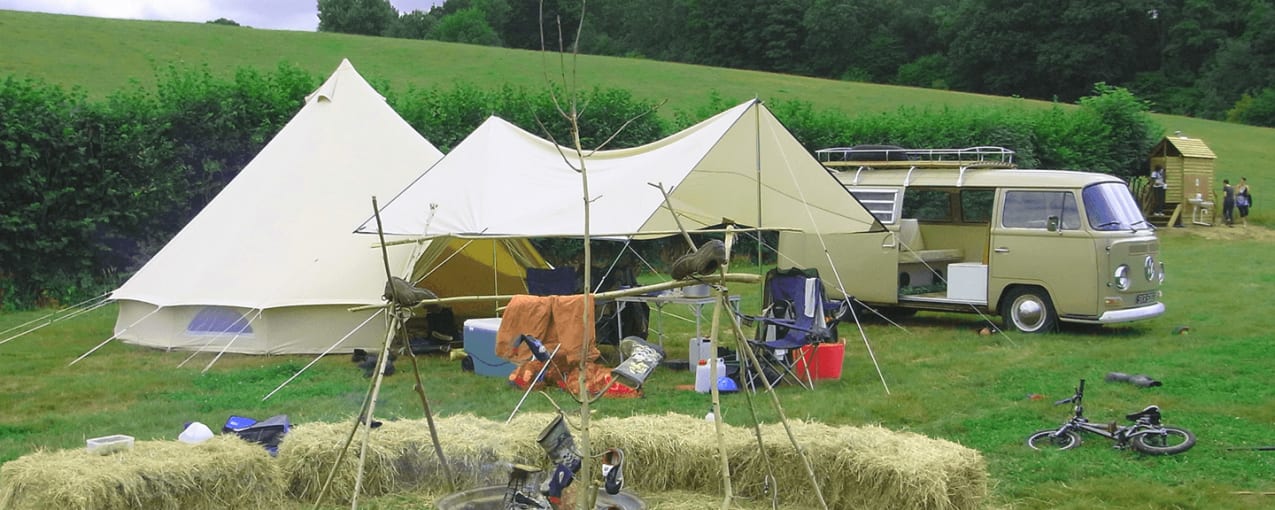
(1029, 310)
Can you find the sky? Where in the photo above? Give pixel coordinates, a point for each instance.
(272, 14)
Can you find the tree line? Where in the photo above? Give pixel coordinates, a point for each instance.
(90, 189)
(1213, 60)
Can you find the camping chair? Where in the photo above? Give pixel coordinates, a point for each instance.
(561, 281)
(795, 314)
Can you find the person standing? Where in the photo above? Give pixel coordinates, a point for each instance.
(1228, 203)
(1243, 200)
(1158, 186)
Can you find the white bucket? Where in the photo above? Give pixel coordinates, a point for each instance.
(703, 376)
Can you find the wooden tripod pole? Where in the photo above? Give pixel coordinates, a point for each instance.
(416, 369)
(669, 205)
(783, 417)
(713, 332)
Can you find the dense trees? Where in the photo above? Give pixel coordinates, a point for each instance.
(364, 17)
(1206, 58)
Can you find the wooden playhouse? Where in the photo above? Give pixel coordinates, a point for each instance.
(1188, 166)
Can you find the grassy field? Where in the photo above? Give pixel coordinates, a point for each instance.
(945, 381)
(102, 56)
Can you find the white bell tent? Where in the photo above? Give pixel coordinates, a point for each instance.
(270, 265)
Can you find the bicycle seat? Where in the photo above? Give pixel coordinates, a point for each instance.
(1151, 412)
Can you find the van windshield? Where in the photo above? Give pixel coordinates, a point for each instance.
(1110, 206)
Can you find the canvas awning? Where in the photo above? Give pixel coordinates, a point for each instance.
(740, 165)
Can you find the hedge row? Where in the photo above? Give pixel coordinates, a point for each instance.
(90, 189)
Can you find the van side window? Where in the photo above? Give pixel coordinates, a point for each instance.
(1032, 209)
(880, 202)
(927, 204)
(976, 205)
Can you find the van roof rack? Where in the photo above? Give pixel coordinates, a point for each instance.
(882, 157)
(886, 156)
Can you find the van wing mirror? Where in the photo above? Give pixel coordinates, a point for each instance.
(1052, 224)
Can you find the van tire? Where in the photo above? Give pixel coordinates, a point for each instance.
(1029, 310)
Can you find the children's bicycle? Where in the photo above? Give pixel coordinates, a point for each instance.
(1146, 434)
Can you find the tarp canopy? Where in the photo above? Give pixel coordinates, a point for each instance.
(741, 165)
(270, 264)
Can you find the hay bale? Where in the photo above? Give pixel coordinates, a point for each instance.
(223, 472)
(401, 455)
(857, 467)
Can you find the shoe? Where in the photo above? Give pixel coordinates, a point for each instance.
(558, 481)
(559, 444)
(528, 502)
(397, 290)
(706, 260)
(612, 470)
(534, 344)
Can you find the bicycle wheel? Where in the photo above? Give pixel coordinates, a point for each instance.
(1173, 440)
(1051, 440)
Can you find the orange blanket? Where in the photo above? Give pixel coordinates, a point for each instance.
(552, 319)
(555, 320)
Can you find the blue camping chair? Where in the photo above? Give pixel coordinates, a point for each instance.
(795, 313)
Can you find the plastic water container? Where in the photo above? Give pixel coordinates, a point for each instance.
(700, 349)
(703, 374)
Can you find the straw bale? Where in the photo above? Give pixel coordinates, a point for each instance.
(401, 455)
(223, 472)
(857, 467)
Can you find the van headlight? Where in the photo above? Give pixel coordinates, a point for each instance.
(1162, 273)
(1122, 277)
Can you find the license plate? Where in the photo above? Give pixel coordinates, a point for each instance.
(1145, 297)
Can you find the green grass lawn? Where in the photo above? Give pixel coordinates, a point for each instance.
(945, 380)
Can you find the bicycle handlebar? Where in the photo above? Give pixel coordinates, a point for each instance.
(1080, 391)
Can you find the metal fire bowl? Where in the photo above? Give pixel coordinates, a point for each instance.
(491, 497)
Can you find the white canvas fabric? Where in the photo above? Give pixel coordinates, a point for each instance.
(741, 165)
(275, 246)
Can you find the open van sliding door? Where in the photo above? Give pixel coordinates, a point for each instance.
(867, 263)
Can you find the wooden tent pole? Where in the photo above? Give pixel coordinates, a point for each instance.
(632, 291)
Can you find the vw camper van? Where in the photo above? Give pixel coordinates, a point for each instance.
(969, 232)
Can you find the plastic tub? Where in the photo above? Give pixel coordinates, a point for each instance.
(106, 445)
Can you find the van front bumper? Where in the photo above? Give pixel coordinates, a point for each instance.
(1125, 315)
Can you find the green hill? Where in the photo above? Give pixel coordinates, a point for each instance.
(103, 55)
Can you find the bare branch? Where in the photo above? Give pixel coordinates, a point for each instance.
(558, 146)
(626, 125)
